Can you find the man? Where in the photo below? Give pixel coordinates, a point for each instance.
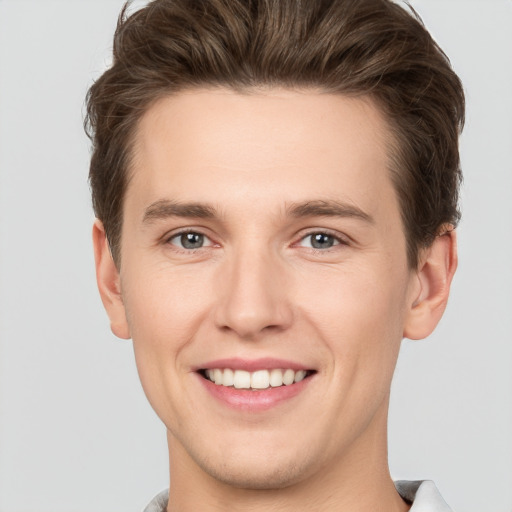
(276, 190)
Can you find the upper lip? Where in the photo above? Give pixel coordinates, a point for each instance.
(252, 365)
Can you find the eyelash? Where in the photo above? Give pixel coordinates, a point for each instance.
(338, 240)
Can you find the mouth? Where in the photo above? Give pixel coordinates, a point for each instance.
(255, 385)
(258, 380)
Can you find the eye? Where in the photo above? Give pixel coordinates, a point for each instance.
(190, 240)
(319, 240)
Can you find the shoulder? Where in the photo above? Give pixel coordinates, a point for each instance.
(158, 503)
(423, 495)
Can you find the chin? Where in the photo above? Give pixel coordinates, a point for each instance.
(242, 476)
(257, 470)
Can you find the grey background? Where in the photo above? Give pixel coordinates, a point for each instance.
(76, 434)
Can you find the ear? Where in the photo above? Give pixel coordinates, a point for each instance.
(109, 282)
(430, 290)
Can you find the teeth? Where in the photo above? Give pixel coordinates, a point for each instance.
(242, 379)
(228, 377)
(276, 378)
(300, 375)
(288, 377)
(260, 379)
(217, 376)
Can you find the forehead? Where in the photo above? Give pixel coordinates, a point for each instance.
(281, 145)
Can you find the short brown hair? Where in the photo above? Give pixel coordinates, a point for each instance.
(373, 48)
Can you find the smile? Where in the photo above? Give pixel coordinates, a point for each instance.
(254, 385)
(257, 380)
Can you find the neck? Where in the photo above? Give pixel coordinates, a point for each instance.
(357, 481)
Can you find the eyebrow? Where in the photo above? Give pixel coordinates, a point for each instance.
(328, 208)
(163, 209)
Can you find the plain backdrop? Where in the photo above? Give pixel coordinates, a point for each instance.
(76, 433)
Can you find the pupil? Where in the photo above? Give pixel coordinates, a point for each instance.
(322, 241)
(192, 240)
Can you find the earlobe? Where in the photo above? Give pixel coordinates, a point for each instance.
(109, 282)
(432, 287)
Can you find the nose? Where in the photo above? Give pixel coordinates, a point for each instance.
(253, 295)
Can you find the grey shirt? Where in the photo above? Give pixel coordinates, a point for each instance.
(423, 495)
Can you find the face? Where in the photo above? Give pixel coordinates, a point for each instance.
(264, 280)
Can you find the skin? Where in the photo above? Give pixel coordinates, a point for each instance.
(258, 288)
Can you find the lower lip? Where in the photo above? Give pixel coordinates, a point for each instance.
(249, 400)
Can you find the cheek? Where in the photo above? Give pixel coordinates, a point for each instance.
(357, 318)
(358, 312)
(163, 304)
(164, 309)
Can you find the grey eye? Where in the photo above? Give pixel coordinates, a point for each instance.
(190, 240)
(319, 241)
(322, 241)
